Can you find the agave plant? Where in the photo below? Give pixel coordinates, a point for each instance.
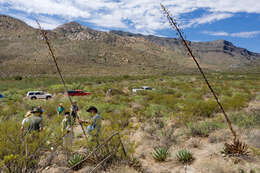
(160, 154)
(184, 156)
(75, 159)
(236, 148)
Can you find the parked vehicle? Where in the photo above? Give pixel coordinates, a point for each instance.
(1, 96)
(143, 88)
(78, 93)
(38, 95)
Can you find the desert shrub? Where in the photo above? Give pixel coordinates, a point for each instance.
(13, 95)
(236, 102)
(76, 86)
(169, 91)
(154, 110)
(194, 143)
(197, 108)
(183, 118)
(18, 78)
(20, 153)
(160, 154)
(206, 108)
(168, 100)
(249, 120)
(119, 99)
(167, 137)
(184, 156)
(203, 129)
(56, 88)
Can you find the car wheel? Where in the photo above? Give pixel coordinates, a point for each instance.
(47, 98)
(33, 98)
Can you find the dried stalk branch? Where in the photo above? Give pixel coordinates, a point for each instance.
(175, 26)
(44, 35)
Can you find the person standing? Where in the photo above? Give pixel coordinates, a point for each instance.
(74, 111)
(33, 122)
(60, 109)
(94, 126)
(67, 130)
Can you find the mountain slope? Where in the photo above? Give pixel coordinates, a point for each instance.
(83, 51)
(219, 52)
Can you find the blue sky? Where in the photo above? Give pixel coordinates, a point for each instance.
(237, 21)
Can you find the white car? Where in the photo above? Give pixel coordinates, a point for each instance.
(38, 95)
(143, 88)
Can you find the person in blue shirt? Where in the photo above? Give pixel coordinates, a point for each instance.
(94, 126)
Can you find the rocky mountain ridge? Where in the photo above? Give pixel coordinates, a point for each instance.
(85, 51)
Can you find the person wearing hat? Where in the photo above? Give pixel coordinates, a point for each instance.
(67, 130)
(33, 121)
(94, 126)
(26, 119)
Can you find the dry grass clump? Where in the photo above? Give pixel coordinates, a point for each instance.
(194, 143)
(219, 136)
(254, 138)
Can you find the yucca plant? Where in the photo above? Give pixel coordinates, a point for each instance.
(75, 159)
(160, 154)
(184, 156)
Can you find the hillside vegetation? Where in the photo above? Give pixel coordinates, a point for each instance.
(179, 114)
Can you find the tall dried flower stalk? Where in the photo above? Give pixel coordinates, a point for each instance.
(175, 26)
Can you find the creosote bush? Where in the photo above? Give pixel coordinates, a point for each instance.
(203, 129)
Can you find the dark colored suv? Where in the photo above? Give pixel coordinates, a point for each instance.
(78, 93)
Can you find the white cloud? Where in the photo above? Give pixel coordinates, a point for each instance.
(245, 34)
(248, 34)
(208, 19)
(50, 7)
(45, 22)
(216, 33)
(137, 15)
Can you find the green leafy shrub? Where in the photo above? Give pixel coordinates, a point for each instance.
(160, 154)
(18, 152)
(75, 159)
(203, 129)
(236, 102)
(57, 88)
(200, 108)
(184, 156)
(247, 121)
(18, 78)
